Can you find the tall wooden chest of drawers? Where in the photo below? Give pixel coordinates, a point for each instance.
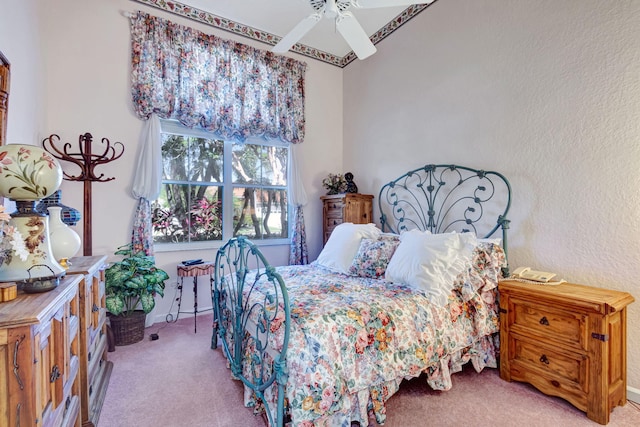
(568, 341)
(39, 358)
(95, 369)
(348, 207)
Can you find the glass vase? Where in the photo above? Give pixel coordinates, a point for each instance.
(65, 242)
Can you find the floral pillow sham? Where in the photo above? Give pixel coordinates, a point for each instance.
(373, 256)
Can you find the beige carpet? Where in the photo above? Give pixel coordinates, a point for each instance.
(179, 381)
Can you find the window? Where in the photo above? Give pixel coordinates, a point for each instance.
(213, 190)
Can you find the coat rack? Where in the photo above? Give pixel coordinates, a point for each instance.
(87, 161)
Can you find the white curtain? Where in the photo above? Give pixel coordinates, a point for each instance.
(147, 183)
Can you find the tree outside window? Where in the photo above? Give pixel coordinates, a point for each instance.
(197, 186)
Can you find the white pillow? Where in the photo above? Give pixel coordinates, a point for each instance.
(431, 262)
(343, 245)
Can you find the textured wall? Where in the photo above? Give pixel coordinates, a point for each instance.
(546, 92)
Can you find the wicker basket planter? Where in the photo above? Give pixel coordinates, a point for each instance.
(128, 329)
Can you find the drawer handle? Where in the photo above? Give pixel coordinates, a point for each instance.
(334, 206)
(89, 356)
(334, 222)
(544, 321)
(55, 374)
(544, 359)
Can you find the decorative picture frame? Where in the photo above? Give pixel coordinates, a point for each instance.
(4, 96)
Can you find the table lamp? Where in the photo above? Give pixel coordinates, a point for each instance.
(27, 175)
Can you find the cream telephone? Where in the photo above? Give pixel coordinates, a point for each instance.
(526, 274)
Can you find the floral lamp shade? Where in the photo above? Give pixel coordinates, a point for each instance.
(28, 174)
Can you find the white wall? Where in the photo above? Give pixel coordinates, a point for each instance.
(546, 92)
(20, 43)
(83, 58)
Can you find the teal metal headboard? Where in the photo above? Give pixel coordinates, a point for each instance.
(445, 198)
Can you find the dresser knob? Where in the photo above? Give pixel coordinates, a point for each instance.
(544, 359)
(544, 321)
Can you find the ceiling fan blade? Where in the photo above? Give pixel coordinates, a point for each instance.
(354, 35)
(297, 33)
(370, 4)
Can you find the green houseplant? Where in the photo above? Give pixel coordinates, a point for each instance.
(131, 285)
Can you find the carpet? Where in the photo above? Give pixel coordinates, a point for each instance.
(178, 381)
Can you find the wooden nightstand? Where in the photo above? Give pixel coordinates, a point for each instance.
(348, 207)
(568, 341)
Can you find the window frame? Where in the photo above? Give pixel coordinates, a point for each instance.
(174, 127)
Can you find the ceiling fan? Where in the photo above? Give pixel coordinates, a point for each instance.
(346, 23)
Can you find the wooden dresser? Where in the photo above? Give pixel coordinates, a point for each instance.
(567, 340)
(39, 358)
(348, 207)
(95, 369)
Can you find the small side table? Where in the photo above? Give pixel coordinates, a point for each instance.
(195, 270)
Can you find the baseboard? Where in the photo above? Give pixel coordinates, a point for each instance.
(633, 394)
(162, 318)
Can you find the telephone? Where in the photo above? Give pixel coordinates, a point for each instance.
(527, 273)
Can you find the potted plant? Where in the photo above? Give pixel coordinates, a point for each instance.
(335, 183)
(131, 285)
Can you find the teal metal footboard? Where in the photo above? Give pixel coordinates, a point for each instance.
(251, 304)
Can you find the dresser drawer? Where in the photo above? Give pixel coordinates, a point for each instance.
(550, 323)
(332, 223)
(334, 209)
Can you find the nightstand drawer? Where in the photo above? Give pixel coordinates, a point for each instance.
(549, 323)
(556, 367)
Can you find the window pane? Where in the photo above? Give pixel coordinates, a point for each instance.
(274, 165)
(168, 214)
(174, 157)
(260, 213)
(205, 160)
(246, 163)
(206, 214)
(186, 213)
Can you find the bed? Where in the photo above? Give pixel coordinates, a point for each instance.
(327, 344)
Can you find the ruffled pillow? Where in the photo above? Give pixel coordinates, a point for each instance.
(373, 256)
(431, 262)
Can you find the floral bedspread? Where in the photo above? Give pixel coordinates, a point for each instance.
(353, 340)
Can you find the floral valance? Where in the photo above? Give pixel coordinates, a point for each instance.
(219, 85)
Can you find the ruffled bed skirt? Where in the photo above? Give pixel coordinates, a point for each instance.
(482, 354)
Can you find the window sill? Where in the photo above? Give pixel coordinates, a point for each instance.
(197, 246)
